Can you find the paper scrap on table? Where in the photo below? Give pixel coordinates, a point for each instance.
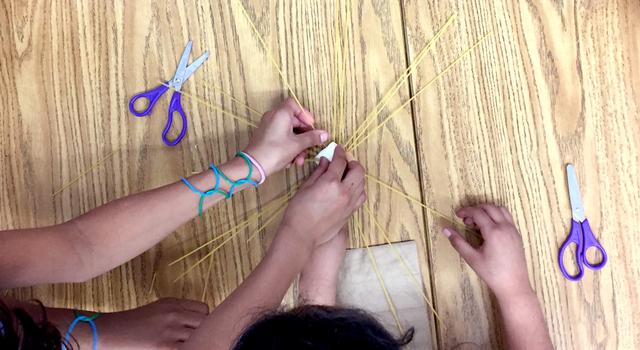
(327, 152)
(358, 287)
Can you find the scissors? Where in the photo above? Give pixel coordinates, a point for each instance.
(183, 72)
(580, 234)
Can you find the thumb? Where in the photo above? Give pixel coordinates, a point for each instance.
(466, 251)
(312, 138)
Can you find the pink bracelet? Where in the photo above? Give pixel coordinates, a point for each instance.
(263, 176)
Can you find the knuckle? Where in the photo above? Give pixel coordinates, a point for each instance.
(335, 185)
(344, 196)
(279, 114)
(291, 101)
(502, 229)
(174, 316)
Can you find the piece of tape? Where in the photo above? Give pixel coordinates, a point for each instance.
(327, 152)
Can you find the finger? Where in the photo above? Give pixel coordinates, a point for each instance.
(193, 319)
(494, 212)
(356, 198)
(358, 189)
(466, 251)
(350, 157)
(319, 170)
(302, 154)
(268, 114)
(181, 333)
(361, 199)
(469, 222)
(306, 120)
(299, 159)
(311, 138)
(302, 115)
(479, 217)
(338, 164)
(507, 215)
(355, 174)
(194, 306)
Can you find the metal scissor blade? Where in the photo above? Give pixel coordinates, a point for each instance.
(189, 70)
(184, 59)
(575, 198)
(178, 78)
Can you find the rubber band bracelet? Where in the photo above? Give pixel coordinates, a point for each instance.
(82, 318)
(215, 190)
(263, 175)
(235, 184)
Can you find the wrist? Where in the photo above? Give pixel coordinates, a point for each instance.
(263, 159)
(514, 294)
(257, 171)
(289, 237)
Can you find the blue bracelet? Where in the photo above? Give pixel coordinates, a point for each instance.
(215, 189)
(81, 318)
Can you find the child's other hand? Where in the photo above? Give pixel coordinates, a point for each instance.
(283, 136)
(500, 260)
(324, 203)
(164, 324)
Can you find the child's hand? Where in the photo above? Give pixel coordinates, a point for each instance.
(324, 203)
(164, 324)
(499, 261)
(283, 136)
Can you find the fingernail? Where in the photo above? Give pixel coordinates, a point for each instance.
(324, 136)
(446, 232)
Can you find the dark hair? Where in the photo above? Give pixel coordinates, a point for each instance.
(19, 331)
(319, 328)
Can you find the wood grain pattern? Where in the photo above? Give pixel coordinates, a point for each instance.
(557, 83)
(71, 68)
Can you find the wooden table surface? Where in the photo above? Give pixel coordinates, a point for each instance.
(556, 82)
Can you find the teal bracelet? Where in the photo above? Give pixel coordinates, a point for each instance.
(86, 319)
(93, 317)
(215, 189)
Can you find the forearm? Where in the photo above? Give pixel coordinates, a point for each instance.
(59, 318)
(107, 236)
(263, 290)
(123, 229)
(523, 322)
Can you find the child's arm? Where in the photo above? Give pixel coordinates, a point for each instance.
(163, 324)
(114, 233)
(318, 282)
(314, 216)
(500, 262)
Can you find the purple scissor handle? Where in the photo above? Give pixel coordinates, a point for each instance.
(580, 234)
(174, 107)
(152, 96)
(584, 239)
(183, 72)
